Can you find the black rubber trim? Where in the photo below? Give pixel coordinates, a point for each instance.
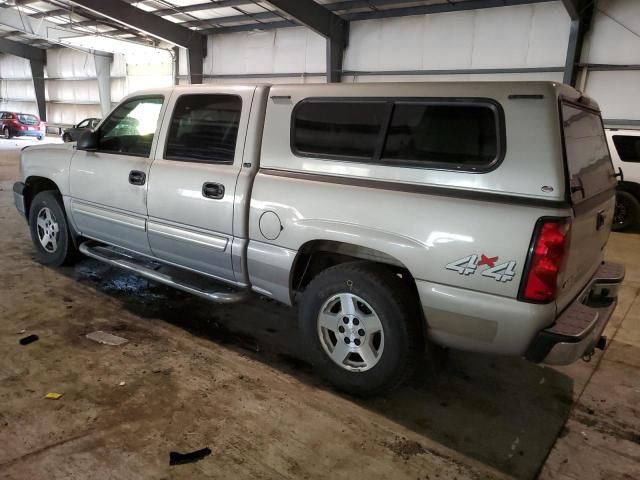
(418, 189)
(391, 102)
(19, 188)
(544, 342)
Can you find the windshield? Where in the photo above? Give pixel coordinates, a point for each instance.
(27, 119)
(588, 161)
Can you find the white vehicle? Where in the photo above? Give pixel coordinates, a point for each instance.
(624, 146)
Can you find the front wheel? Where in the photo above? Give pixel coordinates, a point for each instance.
(627, 211)
(49, 230)
(40, 137)
(66, 138)
(362, 326)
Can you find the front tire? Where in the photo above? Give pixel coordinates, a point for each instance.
(66, 138)
(627, 211)
(40, 137)
(362, 326)
(49, 230)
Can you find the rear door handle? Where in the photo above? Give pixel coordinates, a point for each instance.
(213, 190)
(136, 177)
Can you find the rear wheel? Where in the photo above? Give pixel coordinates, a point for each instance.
(626, 212)
(362, 326)
(7, 133)
(49, 230)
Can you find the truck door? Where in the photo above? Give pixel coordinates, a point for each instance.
(193, 179)
(109, 186)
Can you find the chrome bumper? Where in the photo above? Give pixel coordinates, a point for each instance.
(18, 197)
(578, 329)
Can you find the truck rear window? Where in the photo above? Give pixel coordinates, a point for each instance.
(449, 134)
(587, 155)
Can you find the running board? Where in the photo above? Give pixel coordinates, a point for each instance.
(143, 268)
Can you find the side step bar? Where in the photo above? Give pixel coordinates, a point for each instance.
(107, 255)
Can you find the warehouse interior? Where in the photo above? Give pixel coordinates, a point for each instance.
(234, 379)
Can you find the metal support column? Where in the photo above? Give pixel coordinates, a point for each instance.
(581, 14)
(103, 74)
(37, 74)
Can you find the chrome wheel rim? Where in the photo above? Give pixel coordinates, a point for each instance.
(48, 230)
(350, 332)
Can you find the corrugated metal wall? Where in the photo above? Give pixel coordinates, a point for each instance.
(71, 88)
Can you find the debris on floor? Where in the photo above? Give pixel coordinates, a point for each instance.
(106, 338)
(176, 458)
(53, 396)
(28, 340)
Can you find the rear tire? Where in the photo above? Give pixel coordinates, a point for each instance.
(50, 231)
(626, 212)
(7, 133)
(362, 326)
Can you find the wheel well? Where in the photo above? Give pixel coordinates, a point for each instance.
(630, 187)
(318, 255)
(36, 185)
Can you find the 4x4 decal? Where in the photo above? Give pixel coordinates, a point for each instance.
(503, 272)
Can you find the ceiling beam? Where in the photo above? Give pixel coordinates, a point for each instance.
(428, 9)
(151, 24)
(147, 22)
(37, 59)
(573, 8)
(22, 50)
(49, 31)
(581, 14)
(313, 15)
(322, 21)
(203, 6)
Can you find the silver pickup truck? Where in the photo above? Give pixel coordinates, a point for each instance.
(470, 215)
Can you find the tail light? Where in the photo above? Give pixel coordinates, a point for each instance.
(547, 259)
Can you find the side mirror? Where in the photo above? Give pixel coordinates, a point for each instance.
(88, 141)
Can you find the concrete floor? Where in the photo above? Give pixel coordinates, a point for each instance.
(235, 379)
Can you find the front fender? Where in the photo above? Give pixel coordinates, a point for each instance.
(47, 161)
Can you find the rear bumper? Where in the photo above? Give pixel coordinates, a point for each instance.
(578, 329)
(28, 133)
(18, 197)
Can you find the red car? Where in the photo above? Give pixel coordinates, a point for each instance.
(16, 124)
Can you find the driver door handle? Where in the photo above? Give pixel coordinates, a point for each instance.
(213, 190)
(136, 177)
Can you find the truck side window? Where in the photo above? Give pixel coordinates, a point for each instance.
(628, 147)
(130, 128)
(456, 135)
(337, 128)
(204, 128)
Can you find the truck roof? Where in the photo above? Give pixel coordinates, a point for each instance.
(436, 89)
